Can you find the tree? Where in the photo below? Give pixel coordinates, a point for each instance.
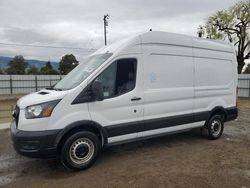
(67, 63)
(247, 70)
(33, 70)
(48, 69)
(17, 65)
(233, 24)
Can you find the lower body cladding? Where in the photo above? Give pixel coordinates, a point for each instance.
(155, 132)
(162, 126)
(43, 144)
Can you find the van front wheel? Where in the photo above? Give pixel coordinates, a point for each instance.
(80, 150)
(215, 127)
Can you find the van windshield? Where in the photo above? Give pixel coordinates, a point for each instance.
(81, 72)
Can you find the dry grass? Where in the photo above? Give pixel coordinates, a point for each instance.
(7, 105)
(244, 102)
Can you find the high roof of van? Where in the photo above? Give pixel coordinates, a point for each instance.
(166, 38)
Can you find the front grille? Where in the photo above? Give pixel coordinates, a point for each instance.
(16, 114)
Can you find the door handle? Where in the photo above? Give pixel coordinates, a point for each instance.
(136, 99)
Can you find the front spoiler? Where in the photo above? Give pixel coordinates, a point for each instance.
(37, 144)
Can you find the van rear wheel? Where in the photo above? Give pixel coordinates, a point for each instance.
(80, 150)
(215, 127)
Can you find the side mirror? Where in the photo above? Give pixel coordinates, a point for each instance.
(97, 90)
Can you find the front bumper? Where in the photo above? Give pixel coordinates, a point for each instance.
(38, 144)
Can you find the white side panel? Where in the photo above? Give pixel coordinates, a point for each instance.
(215, 83)
(168, 81)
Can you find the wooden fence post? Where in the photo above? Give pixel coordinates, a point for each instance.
(11, 85)
(248, 87)
(50, 82)
(36, 82)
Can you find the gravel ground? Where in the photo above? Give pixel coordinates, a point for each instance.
(182, 160)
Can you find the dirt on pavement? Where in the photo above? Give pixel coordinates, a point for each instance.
(182, 160)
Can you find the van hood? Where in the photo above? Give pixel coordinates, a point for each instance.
(41, 96)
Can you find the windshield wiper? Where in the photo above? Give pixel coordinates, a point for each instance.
(53, 88)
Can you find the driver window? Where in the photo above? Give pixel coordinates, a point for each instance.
(118, 78)
(107, 78)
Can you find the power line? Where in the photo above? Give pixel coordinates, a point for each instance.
(46, 46)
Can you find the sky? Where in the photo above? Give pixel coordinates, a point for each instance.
(79, 24)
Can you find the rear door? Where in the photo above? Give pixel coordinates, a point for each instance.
(122, 106)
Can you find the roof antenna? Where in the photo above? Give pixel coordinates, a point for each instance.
(150, 29)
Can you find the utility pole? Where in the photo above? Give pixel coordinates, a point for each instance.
(200, 31)
(105, 21)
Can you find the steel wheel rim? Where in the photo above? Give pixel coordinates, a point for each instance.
(216, 127)
(81, 150)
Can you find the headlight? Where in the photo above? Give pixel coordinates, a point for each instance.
(40, 110)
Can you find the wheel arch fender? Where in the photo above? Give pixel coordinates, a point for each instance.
(83, 125)
(216, 110)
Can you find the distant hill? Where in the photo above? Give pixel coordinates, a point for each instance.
(38, 63)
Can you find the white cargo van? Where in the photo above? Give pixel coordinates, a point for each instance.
(148, 85)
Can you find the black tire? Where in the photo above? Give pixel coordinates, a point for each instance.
(215, 127)
(80, 150)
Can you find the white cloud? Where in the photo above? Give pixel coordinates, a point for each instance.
(79, 23)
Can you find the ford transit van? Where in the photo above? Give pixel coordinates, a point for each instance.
(145, 86)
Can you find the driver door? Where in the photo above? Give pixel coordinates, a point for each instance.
(122, 106)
